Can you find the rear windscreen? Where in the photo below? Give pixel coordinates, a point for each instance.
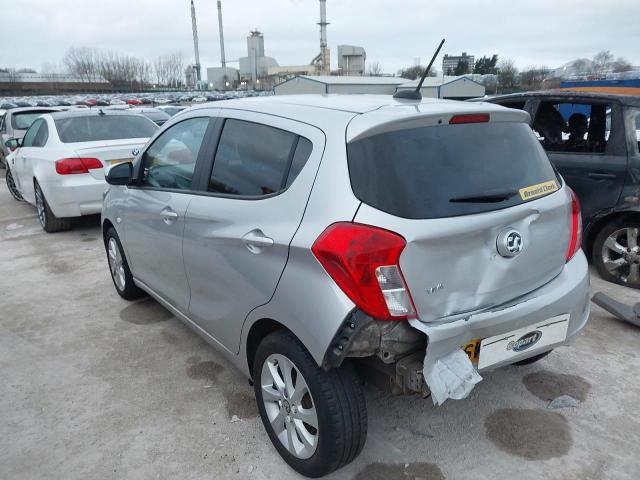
(103, 127)
(23, 120)
(450, 170)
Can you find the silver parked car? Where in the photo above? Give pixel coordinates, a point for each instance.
(321, 240)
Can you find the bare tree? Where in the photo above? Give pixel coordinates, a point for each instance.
(375, 69)
(602, 61)
(621, 65)
(416, 72)
(507, 74)
(532, 77)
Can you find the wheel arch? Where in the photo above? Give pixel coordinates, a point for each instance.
(258, 331)
(106, 225)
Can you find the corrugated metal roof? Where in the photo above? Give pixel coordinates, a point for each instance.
(353, 80)
(437, 81)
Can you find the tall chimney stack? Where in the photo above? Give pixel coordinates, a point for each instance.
(222, 59)
(324, 51)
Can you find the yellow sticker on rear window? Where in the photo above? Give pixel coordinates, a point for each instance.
(538, 190)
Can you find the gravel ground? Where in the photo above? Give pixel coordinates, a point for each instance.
(96, 387)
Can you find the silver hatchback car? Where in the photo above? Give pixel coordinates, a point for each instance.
(319, 241)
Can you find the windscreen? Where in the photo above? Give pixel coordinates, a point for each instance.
(23, 120)
(103, 127)
(450, 170)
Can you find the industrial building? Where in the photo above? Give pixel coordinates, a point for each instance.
(450, 62)
(351, 60)
(449, 87)
(339, 84)
(255, 65)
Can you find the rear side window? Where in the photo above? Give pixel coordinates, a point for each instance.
(256, 160)
(450, 170)
(103, 127)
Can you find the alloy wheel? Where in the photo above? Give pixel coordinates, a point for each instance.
(621, 255)
(40, 206)
(289, 406)
(11, 184)
(115, 264)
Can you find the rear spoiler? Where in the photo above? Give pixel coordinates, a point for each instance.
(426, 114)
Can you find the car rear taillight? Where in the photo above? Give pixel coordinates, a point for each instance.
(471, 118)
(575, 219)
(70, 166)
(364, 262)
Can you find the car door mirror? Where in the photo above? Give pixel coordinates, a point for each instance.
(120, 174)
(13, 143)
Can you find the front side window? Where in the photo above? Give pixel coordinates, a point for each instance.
(573, 127)
(29, 137)
(255, 160)
(171, 160)
(634, 125)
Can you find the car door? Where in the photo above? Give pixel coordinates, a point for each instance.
(155, 209)
(29, 153)
(237, 235)
(595, 165)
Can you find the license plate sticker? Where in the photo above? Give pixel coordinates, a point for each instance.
(534, 338)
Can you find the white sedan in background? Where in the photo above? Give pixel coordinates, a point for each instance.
(60, 164)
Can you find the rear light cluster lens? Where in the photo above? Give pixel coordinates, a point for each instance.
(575, 221)
(364, 262)
(71, 166)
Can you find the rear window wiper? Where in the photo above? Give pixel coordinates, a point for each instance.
(491, 196)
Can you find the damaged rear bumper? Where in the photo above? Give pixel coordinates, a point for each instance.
(568, 293)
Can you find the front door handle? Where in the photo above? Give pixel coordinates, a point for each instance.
(601, 175)
(168, 216)
(256, 240)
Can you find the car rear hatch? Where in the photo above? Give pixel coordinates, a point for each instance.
(456, 187)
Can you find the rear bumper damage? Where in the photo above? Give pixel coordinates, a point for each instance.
(427, 357)
(568, 293)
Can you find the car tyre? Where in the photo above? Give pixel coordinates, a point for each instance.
(50, 223)
(119, 268)
(11, 185)
(534, 359)
(333, 400)
(616, 252)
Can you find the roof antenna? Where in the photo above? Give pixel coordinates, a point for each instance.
(416, 94)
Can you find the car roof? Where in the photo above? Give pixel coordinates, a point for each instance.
(365, 114)
(630, 100)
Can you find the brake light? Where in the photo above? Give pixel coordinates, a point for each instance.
(575, 239)
(71, 166)
(471, 118)
(364, 262)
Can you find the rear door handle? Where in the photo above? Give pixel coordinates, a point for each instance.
(256, 240)
(601, 175)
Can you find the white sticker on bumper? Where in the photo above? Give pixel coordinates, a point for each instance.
(534, 338)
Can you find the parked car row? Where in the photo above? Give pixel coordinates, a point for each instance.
(137, 99)
(319, 241)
